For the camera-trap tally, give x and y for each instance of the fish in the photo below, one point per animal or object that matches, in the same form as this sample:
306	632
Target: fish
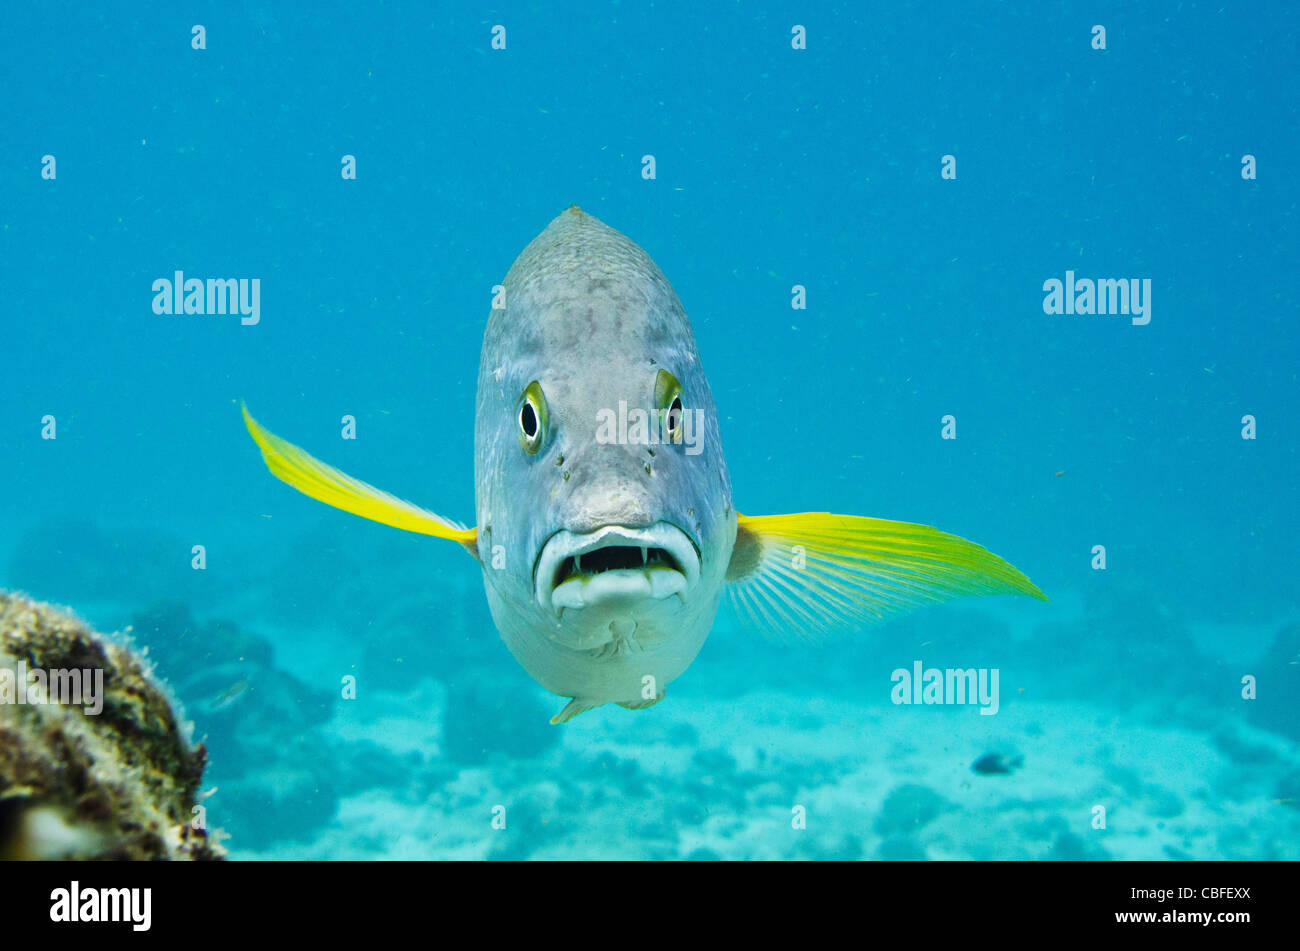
232	693
605	528
997	764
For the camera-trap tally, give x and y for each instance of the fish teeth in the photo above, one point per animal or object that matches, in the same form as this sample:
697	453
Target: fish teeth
662	546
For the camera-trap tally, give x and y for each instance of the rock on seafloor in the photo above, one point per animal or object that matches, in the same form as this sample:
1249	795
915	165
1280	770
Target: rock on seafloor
118	782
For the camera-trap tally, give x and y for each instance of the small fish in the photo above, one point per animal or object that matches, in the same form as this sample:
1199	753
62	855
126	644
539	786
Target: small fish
996	764
230	694
606	531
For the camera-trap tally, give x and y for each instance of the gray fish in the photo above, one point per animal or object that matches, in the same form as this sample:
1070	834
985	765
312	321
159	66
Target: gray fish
606	530
997	764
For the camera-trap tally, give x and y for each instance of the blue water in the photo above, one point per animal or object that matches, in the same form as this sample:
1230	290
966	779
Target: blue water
774	167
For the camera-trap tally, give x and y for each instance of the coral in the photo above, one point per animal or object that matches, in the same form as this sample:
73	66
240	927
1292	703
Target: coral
481	719
246	710
277	769
1278	672
908	808
446	627
119	783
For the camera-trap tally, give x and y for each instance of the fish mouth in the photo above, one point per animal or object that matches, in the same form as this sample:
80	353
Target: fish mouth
615	563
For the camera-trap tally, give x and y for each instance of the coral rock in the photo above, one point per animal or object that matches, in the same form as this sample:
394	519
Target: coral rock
117	783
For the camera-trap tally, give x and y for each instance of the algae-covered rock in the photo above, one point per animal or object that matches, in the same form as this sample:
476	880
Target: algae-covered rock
106	774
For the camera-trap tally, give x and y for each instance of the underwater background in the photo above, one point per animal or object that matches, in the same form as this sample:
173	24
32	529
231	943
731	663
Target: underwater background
774	167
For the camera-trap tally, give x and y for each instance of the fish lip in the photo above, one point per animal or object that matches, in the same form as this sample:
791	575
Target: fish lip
565	544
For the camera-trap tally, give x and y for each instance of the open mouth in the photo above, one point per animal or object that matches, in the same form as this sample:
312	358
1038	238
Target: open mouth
614	558
615	563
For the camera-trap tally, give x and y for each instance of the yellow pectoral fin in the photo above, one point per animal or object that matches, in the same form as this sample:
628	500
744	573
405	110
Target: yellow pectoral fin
326	484
815	571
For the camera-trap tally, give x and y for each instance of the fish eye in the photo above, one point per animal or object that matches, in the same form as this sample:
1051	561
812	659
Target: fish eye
668	399
528	421
532	418
675	417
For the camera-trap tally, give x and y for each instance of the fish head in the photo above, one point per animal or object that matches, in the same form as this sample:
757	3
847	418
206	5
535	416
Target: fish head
603	500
